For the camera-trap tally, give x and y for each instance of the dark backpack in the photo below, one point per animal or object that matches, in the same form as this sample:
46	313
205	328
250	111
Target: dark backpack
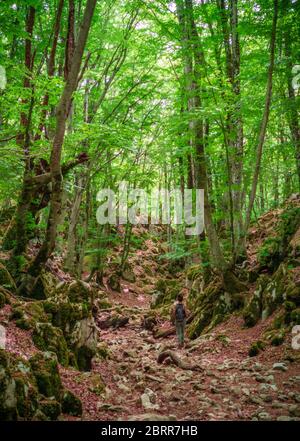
179	312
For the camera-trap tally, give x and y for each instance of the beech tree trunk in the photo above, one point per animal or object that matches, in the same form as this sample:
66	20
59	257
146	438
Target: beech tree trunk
264	123
293	111
234	123
55	163
23	138
194	59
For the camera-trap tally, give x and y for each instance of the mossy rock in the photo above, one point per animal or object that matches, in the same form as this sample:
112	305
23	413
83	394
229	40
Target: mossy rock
256	347
68	314
157	299
27	396
39	288
289	223
103	350
50	307
84	356
203	318
40	416
277	339
275	249
295	317
50	408
275	334
113	282
28	314
224	339
104	304
17	313
18	391
195	290
6	280
49	338
237	301
272	298
289	308
253	310
8	399
24	324
97	385
71	404
44	367
232	284
79	292
2	300
269	255
293	294
83	342
211	294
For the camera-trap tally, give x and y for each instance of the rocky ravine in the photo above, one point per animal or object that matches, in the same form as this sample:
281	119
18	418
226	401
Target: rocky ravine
230	386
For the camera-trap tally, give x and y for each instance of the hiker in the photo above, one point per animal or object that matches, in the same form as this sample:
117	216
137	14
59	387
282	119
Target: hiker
178	317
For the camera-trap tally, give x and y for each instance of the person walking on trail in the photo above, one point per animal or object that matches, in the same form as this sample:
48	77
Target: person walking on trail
178	317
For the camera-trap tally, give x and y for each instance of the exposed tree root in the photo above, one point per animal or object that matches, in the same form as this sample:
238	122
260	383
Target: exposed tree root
113	322
180	363
162	332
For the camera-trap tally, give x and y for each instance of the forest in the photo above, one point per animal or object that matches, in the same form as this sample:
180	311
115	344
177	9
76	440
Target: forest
149	210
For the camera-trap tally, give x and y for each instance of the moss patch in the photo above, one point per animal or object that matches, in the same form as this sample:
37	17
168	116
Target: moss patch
45	369
49	338
71	404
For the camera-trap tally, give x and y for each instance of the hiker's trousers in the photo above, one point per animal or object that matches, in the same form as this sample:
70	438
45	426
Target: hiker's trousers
180	326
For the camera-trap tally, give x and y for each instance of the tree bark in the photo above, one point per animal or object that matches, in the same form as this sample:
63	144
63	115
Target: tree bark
50	68
23	137
55	164
292	112
192	49
264	122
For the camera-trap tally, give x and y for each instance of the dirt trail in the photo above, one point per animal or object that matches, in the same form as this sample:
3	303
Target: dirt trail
130	384
231	385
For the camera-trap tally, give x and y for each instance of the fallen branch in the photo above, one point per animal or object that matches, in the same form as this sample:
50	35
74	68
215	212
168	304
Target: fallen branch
163	332
180	363
113	322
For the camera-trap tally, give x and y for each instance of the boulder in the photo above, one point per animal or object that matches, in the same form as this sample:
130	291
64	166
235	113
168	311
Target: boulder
83	341
253	309
71	404
79	292
49	338
113	282
18	392
28	314
148	400
44	366
6	279
50	408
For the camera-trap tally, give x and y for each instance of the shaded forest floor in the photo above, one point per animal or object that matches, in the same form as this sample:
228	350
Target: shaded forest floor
130	384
